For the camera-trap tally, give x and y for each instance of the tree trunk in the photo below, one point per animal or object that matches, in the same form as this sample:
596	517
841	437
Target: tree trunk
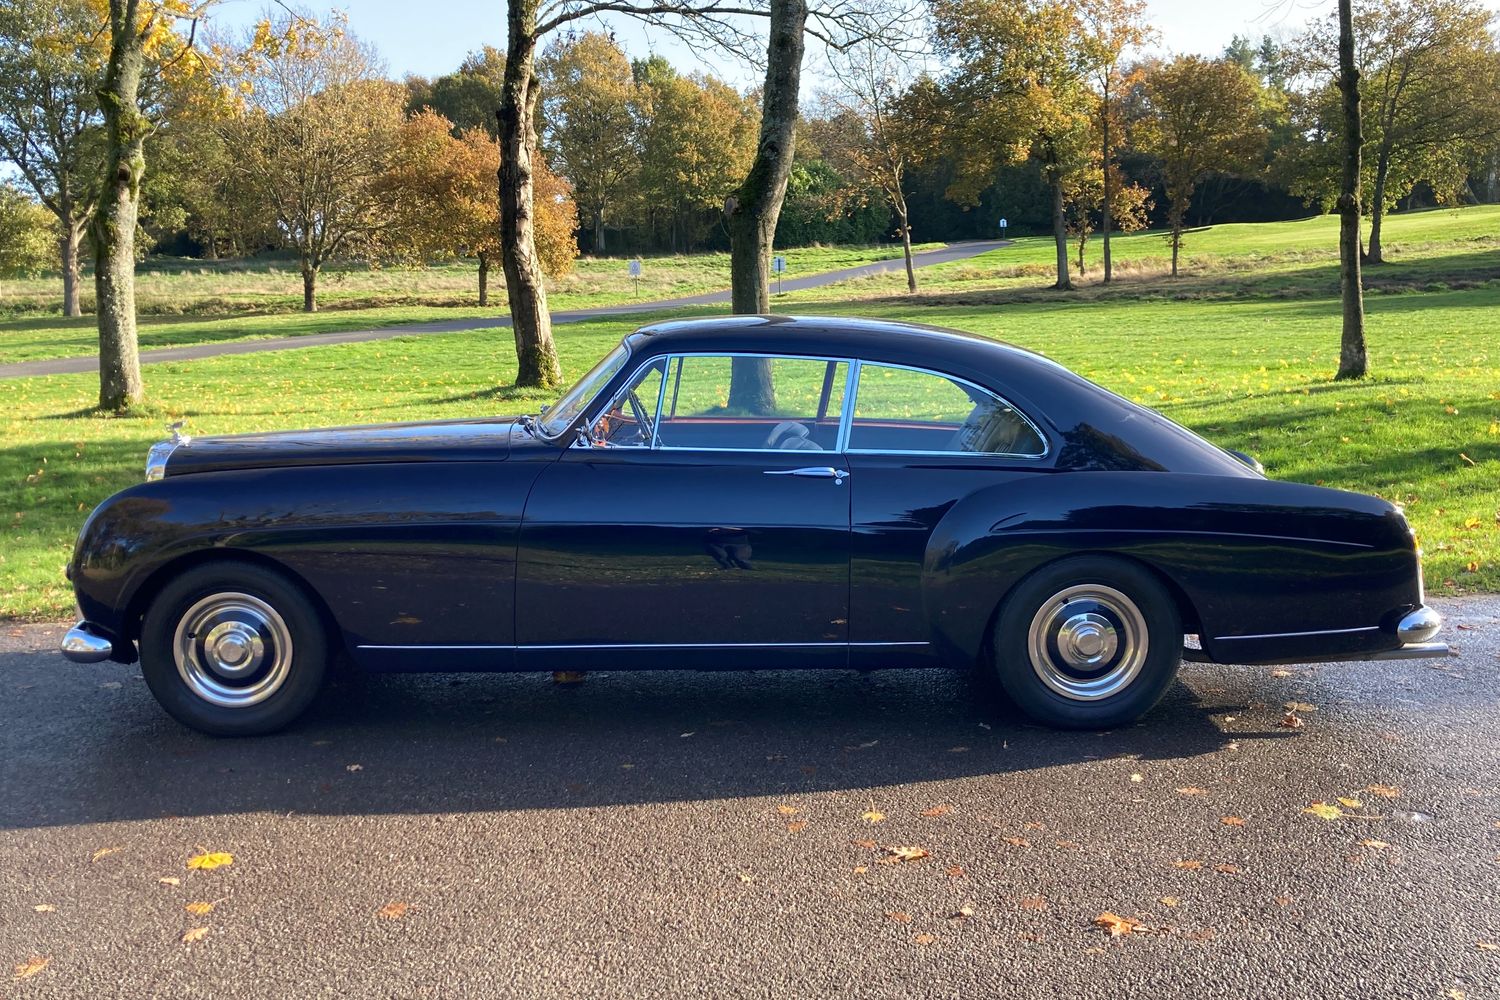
1373	252
484	279
1083	241
536	354
599	232
72	234
911	273
309	288
114	221
1060	236
1353	362
754	210
1106	214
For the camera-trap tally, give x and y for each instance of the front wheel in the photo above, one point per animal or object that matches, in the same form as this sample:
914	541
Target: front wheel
1087	643
233	649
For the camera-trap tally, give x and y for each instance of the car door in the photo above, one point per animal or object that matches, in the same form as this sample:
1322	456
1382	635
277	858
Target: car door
687	532
918	442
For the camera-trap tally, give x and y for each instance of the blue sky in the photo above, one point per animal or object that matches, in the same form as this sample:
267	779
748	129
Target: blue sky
431	38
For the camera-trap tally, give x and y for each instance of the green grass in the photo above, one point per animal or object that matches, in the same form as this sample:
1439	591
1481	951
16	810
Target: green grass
1243	357
199	302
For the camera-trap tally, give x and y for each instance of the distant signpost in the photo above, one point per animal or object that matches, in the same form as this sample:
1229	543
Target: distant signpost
778	265
1003	224
635	273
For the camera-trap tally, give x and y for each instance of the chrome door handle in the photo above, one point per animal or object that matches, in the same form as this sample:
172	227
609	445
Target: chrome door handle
813	472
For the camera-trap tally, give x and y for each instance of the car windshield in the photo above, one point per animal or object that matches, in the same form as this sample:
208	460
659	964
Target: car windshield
567	409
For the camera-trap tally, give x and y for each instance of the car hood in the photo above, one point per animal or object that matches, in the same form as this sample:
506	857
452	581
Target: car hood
483	440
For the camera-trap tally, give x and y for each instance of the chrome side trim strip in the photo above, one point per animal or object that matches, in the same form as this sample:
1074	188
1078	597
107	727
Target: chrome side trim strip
658	645
1299	635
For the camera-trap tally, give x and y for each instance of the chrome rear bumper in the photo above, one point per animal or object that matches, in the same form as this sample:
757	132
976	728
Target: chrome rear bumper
1411	651
83	645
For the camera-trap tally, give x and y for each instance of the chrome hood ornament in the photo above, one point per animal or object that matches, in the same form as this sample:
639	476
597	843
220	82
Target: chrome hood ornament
175	429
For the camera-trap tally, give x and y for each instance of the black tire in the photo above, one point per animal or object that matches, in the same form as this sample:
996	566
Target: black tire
1089	642
256	613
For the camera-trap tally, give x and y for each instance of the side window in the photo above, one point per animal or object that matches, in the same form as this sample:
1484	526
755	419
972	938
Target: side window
630	418
898	409
789	404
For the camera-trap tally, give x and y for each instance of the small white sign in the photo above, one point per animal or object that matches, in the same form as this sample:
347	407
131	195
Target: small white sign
635	269
1003	223
778	263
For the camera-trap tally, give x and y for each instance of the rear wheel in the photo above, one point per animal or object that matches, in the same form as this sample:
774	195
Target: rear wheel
233	649
1086	643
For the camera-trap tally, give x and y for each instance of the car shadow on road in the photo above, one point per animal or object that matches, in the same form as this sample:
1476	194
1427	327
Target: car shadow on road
469	743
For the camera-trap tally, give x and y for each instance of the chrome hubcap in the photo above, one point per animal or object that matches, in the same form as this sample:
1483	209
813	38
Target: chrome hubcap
232	650
1087	642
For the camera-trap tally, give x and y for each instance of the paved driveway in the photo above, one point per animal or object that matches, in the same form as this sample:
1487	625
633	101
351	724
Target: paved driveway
692	835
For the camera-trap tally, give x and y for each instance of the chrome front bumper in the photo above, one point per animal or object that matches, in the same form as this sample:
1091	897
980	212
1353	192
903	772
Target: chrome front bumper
83	645
1414	630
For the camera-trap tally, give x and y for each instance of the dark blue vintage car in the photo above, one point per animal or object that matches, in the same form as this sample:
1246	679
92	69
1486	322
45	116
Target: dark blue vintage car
869	495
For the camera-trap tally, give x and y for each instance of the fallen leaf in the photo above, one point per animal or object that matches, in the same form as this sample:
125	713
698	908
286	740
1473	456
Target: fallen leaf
872	816
45	908
1069	845
1283	901
1017	841
392	911
1300	706
1378	845
683	736
194	934
30	967
746	877
1170	901
1034	902
861	869
354	767
1233	821
1291	721
1323	810
925	939
937	811
105	852
1281	673
868	845
787	810
1117	926
1384	791
1137	778
170	880
962	913
796	826
1228	869
1190	866
1206	934
898	917
208	862
1192	791
1349	803
1486	946
899	855
955	871
199	909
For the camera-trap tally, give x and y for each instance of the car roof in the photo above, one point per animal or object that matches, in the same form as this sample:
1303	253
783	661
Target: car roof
839	336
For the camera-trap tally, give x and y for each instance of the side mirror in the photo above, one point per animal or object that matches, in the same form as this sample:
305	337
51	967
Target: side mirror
1249	460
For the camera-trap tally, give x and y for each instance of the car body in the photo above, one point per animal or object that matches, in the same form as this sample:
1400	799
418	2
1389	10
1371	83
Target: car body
865	517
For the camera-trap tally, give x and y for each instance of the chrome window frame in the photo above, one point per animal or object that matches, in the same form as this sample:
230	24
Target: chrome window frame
853	400
844	410
587	426
582	419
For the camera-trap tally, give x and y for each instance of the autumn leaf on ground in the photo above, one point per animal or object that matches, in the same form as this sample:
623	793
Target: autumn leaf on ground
1384	791
872	816
861	869
1300	706
200	909
30	967
901	855
955	871
392	911
1349	803
1378	845
937	811
1187	865
1486	946
1117	925
170	880
787	810
1281	673
1170	901
351	768
1291	720
1034	902
194	934
1017	841
1233	820
1228	869
925	938
1323	810
746	877
796	826
45	908
1192	791
1137	778
898	916
105	852
209	861
962	913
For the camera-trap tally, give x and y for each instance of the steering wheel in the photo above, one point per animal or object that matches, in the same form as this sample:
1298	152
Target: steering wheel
647	430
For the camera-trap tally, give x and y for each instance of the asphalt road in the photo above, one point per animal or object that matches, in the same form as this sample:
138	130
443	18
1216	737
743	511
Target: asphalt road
90	363
633	836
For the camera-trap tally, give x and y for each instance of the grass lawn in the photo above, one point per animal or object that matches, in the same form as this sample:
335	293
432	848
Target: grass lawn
199	302
1425	430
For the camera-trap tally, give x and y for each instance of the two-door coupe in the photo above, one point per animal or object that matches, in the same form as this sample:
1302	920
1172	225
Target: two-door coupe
752	492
